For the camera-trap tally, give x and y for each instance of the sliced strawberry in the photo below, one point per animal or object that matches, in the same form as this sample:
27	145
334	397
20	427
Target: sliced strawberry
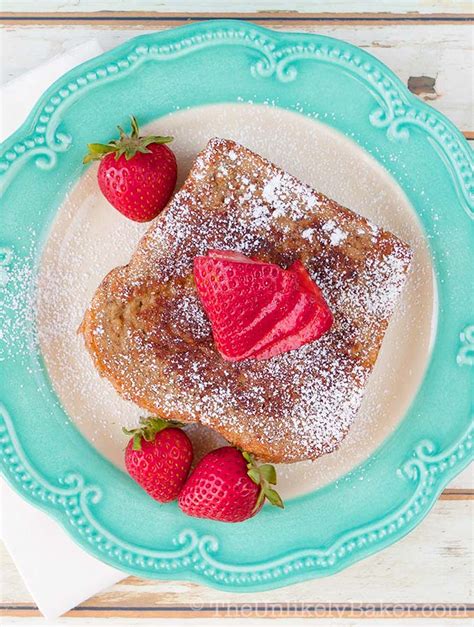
311	329
306	325
241	289
242	300
318	325
231	255
250	333
297	316
306	281
273	322
258	309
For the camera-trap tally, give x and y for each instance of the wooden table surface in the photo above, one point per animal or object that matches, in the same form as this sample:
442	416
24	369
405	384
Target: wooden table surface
428	575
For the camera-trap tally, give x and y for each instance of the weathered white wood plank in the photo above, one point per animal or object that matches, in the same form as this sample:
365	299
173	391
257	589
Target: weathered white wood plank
442	543
440	52
465	479
433	564
243	6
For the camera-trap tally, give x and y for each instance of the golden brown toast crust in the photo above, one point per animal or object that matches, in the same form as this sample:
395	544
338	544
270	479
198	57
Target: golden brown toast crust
147	333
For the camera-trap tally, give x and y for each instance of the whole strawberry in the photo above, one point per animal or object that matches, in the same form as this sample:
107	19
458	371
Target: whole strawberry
227	485
136	174
158	457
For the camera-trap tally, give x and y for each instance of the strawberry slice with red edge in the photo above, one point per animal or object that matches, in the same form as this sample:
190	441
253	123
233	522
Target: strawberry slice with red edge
232	255
242	301
257	309
318	323
295	316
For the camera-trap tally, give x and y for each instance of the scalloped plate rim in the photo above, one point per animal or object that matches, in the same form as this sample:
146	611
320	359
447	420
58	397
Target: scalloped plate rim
113	52
191	577
452	471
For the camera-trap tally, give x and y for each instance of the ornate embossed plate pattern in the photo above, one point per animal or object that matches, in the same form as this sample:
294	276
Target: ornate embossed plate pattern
51	464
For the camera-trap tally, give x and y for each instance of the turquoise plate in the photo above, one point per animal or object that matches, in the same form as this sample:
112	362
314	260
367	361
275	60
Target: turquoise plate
46	459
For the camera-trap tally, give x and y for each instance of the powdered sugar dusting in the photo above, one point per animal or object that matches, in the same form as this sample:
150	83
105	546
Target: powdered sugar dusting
17	314
82	255
278	193
336	234
307	234
294	406
189	315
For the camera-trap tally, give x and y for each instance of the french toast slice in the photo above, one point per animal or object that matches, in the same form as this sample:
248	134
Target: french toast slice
149	336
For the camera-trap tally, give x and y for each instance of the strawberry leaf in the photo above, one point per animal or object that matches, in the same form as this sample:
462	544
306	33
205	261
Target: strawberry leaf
100	148
273	496
260	499
157	139
268	472
148	429
134	125
143	149
128	145
263	476
137	442
97	151
254	475
247	457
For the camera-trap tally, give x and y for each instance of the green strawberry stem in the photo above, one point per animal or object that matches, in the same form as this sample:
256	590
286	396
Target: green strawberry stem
127	145
149	428
264	476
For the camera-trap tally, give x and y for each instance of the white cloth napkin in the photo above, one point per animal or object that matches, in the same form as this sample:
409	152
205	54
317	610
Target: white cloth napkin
56	571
